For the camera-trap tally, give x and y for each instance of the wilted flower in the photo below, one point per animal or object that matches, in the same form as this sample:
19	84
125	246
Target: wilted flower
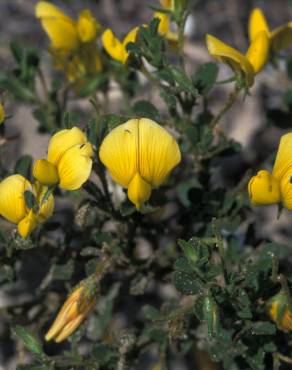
272	188
279	311
74	311
280	37
68	162
116	48
249	64
139	155
73	43
13	205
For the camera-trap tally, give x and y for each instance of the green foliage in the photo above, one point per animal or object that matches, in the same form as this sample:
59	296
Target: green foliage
189	271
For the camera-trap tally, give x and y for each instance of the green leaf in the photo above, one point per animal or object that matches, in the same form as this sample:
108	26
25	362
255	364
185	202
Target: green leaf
151	313
205	77
182	264
186	283
185	187
127	209
31	342
143	108
103	354
263	328
29	198
16	88
169	98
189	250
63	272
16	51
23	166
183	81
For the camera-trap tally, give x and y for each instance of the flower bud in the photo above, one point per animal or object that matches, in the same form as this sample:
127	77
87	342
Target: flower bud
74	311
279	311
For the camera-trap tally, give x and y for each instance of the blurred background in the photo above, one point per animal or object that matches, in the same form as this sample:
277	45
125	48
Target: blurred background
247	122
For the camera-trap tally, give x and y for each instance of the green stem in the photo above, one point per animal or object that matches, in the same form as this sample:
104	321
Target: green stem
181	39
44	84
230	101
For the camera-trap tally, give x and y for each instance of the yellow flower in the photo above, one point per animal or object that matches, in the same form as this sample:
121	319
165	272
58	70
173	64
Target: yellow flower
116	48
73	44
164	24
279	311
2	113
68	162
272	188
139	155
87	26
13	206
280	37
73	312
249	64
60	28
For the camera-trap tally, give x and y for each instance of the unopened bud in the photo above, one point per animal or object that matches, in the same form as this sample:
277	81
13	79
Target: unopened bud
279	311
74	311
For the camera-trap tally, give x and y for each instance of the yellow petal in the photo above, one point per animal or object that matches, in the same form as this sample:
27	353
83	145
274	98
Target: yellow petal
167	4
74	168
69	328
67	313
27	224
45	172
164	27
230	56
286	323
286	189
158	152
257	23
113	46
281	37
139	191
118	152
258	52
130	37
2	113
60	28
264	189
72	313
87	26
62	141
72	325
284	156
12	203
